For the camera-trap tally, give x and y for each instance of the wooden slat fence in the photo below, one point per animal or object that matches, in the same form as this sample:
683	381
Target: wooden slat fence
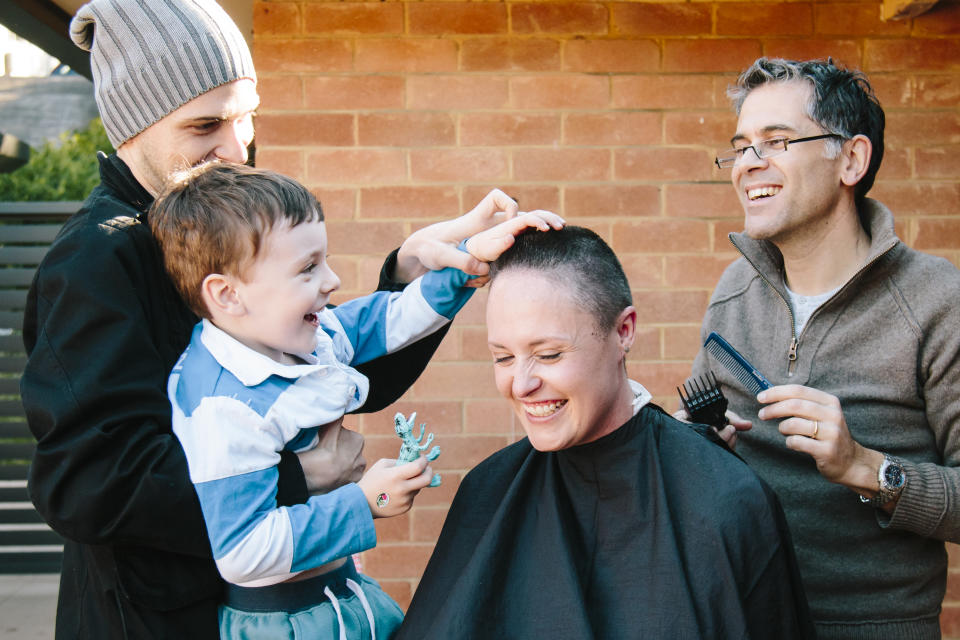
27	545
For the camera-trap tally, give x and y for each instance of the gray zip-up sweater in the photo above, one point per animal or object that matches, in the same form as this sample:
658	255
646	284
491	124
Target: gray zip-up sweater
887	344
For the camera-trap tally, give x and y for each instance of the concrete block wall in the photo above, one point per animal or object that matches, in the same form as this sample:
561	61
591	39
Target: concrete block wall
398	114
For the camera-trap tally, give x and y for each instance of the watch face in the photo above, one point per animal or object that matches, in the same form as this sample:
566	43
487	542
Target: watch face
893	476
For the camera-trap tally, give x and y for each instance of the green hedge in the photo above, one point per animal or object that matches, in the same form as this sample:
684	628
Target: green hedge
67	170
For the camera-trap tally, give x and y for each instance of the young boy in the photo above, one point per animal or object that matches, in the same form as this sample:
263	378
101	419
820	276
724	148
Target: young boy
269	368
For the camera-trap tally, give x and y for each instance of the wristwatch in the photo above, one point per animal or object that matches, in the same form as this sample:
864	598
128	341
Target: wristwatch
891	479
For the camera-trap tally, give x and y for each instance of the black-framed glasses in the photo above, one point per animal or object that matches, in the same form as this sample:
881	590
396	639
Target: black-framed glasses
765	149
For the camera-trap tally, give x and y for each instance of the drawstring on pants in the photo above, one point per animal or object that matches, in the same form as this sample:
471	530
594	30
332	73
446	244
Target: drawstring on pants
357	591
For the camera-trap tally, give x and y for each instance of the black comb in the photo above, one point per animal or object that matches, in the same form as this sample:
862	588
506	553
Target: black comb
741	369
704	401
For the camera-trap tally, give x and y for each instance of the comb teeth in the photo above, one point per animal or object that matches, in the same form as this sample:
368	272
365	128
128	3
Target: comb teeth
741	369
704	401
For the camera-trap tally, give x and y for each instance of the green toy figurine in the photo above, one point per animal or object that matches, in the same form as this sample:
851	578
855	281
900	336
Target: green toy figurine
411	448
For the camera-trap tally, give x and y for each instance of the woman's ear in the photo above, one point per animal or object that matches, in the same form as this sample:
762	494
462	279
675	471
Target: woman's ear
626	327
221	295
855	154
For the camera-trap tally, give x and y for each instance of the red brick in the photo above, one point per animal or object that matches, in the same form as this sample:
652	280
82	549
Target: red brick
474	344
395	529
397	560
339	205
459	165
843	52
286	161
923	127
893	90
474	312
670	19
702	200
660	378
561	164
457	92
576	18
302	55
400	590
933	233
440	18
611	56
681	343
356	166
354	92
276	18
406	129
938	162
896	165
444	380
721	236
694	270
654	235
409	202
612	128
346	269
609	200
855	19
491	417
710	128
943	19
643	270
421	55
709	55
303	129
506	54
950	621
937	91
919	198
280	93
427	523
766	18
364	237
646	345
662	92
353	18
529	197
560	92
509	129
465	452
911	54
662	164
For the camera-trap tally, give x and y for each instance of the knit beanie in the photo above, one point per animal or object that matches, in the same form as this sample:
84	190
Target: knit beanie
149	57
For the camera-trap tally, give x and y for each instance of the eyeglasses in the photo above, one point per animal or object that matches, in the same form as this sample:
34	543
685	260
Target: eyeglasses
765	149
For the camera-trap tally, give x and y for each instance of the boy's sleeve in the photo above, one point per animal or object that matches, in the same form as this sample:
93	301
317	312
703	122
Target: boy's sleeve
381	323
232	455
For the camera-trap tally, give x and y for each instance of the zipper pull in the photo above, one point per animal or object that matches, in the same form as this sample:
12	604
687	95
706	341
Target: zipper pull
792	356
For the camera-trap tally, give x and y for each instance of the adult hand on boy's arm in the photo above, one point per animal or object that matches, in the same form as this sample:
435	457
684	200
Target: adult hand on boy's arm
335	461
435	247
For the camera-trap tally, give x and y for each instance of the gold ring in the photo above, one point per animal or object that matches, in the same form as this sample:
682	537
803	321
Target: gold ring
816	429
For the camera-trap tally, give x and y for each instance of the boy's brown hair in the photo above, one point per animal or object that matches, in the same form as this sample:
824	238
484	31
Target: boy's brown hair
213	218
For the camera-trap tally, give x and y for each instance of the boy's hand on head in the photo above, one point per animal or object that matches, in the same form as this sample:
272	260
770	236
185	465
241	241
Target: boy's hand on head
435	247
390	488
488	245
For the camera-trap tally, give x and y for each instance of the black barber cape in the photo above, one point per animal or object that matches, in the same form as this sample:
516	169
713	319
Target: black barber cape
649	532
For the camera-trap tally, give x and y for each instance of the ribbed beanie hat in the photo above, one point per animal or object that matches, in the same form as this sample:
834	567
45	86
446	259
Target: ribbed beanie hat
149	57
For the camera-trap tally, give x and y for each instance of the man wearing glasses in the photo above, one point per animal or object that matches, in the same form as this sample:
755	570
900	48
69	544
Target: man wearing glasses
860	336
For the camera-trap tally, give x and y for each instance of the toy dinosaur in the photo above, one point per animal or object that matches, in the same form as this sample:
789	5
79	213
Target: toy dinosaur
411	448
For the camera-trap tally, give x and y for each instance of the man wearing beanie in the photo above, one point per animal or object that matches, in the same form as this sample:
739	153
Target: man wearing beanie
103	327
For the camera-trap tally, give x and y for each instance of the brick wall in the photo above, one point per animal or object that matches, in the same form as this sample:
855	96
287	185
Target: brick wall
399	114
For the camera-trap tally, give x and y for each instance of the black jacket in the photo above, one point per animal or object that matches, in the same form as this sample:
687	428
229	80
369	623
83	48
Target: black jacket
103	328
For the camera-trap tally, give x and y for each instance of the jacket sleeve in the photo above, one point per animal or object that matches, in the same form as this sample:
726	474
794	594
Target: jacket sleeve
232	453
107	468
391	375
929	503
